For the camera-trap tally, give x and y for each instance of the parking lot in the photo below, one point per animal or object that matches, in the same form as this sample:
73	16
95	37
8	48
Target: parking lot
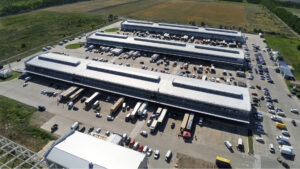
207	141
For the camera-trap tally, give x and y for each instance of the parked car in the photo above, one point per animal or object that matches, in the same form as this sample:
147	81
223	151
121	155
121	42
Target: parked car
271	148
98	130
172	125
54	128
228	145
144	133
110	118
259	139
41	108
149	152
295	111
140	149
107	133
156	154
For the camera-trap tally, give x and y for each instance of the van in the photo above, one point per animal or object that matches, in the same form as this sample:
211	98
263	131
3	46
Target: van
168	155
287	150
124	107
240	144
75	126
70	105
228	145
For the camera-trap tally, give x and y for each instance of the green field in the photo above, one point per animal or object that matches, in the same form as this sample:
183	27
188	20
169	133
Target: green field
288	49
112	30
14	75
15	125
22	32
295	11
75	45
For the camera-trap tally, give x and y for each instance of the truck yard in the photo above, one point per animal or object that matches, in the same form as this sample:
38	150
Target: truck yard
99	109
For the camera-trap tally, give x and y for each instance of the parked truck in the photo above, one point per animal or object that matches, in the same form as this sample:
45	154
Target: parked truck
162	116
67	93
116	106
153	126
91	99
142	108
135	109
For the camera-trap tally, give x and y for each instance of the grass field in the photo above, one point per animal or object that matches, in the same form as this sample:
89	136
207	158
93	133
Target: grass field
112	30
25	31
288	49
295	11
250	144
14	75
74	45
14	118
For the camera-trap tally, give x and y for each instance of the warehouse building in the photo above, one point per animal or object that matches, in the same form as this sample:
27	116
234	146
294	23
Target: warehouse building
201	32
203	52
79	150
214	99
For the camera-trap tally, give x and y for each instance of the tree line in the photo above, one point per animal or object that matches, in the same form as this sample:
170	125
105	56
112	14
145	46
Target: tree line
28	5
286	16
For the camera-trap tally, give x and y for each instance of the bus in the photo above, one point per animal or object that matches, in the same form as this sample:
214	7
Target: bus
222	162
184	121
190	122
116	106
76	94
65	94
90	100
135	109
162	116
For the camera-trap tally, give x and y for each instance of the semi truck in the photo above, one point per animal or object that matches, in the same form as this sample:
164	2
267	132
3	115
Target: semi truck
190	122
67	93
184	121
162	116
135	109
91	99
76	94
116	106
287	150
142	108
153	126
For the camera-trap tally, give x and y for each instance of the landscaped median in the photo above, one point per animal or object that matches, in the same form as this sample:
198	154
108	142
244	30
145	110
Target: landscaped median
15	125
111	30
75	45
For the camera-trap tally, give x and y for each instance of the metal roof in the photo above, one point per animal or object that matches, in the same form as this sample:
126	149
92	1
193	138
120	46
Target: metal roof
213	53
79	150
184	28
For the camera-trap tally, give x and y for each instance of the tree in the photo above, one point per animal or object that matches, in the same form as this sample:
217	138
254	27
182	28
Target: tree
202	23
23	45
110	17
192	23
298	47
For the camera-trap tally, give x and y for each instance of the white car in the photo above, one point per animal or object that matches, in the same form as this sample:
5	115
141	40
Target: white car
276	118
156	154
272	111
295	111
98	115
144	133
149	152
98	130
107	133
259	139
271	148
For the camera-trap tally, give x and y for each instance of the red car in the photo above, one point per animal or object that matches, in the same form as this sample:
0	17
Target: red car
259	87
254	94
140	149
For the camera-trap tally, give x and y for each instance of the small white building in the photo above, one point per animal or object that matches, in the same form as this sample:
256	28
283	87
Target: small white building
79	150
5	73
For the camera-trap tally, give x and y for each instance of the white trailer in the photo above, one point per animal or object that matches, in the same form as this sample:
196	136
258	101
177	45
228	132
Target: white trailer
90	100
153	126
162	116
142	108
135	109
287	150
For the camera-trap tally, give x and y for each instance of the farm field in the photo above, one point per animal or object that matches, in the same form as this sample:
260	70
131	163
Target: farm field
243	16
288	48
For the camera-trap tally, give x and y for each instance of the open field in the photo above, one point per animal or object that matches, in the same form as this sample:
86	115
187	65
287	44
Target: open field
15	117
294	11
21	32
243	16
14	75
288	49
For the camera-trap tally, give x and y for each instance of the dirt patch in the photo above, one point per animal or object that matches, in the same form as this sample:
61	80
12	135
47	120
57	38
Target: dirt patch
186	161
39	118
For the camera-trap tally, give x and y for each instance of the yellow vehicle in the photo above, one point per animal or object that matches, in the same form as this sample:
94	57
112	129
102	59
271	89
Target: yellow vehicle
280	125
222	162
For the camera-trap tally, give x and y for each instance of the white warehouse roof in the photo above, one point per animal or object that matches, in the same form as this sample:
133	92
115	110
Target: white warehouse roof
197	51
198	91
78	150
184	28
